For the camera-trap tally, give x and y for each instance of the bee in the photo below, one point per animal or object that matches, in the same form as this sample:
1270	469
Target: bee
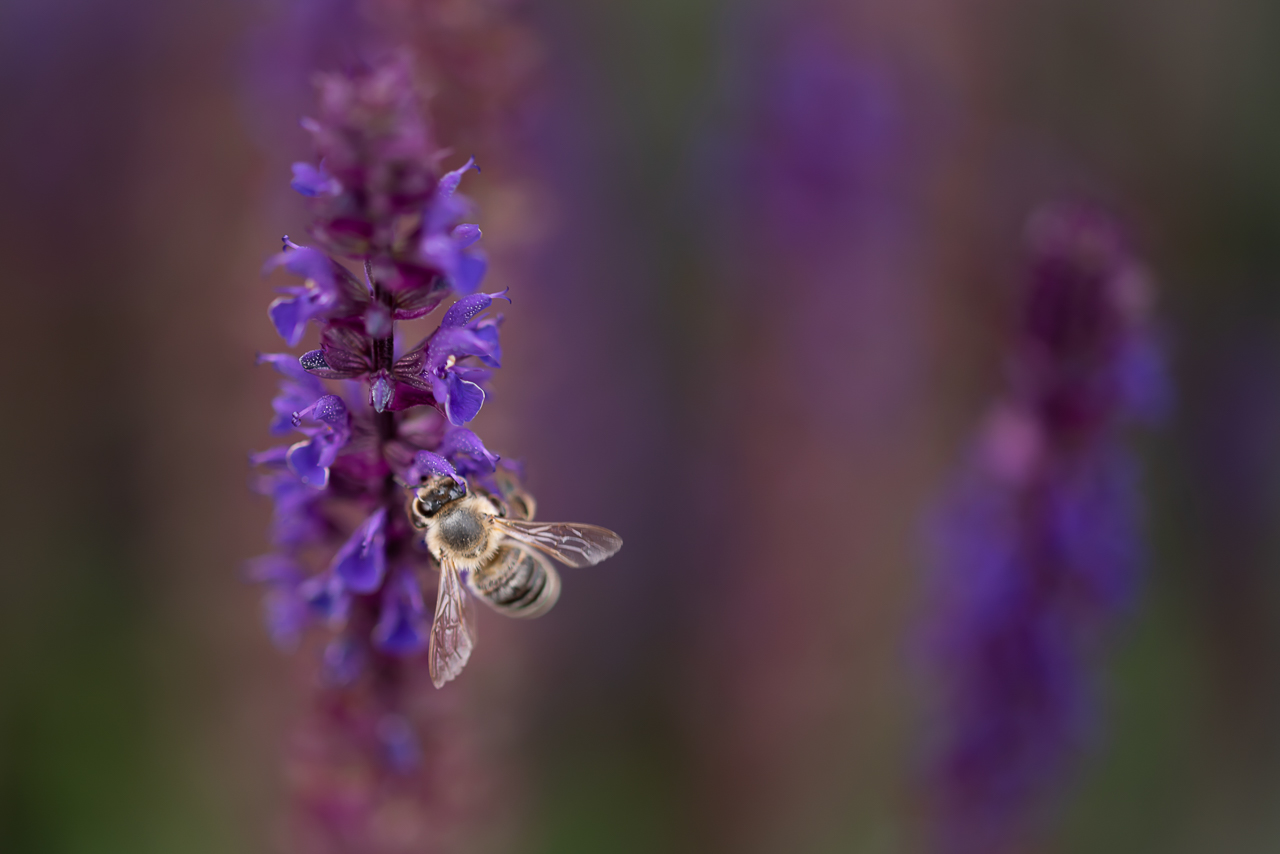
493	541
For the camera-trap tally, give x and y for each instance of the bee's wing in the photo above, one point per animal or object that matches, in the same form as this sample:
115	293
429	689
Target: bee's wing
568	542
453	631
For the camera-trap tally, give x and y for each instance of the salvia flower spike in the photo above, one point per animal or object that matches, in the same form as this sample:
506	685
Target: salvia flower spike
359	421
1038	547
389	244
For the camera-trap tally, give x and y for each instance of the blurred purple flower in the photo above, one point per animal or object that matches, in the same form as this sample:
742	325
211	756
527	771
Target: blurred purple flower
403	624
328	290
298	390
451	248
361	562
1038	548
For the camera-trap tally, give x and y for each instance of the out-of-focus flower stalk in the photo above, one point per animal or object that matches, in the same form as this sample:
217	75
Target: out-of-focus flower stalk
1038	546
822	265
375	768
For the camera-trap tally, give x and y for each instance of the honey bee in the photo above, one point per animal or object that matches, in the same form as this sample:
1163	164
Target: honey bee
493	541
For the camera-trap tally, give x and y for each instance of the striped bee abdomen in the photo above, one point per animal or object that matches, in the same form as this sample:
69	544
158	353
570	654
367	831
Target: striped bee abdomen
518	582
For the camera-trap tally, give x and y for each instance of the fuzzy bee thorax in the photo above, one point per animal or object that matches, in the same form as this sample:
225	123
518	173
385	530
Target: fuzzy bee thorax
463	530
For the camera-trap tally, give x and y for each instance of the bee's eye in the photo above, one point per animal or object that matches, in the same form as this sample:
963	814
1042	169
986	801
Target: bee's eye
429	504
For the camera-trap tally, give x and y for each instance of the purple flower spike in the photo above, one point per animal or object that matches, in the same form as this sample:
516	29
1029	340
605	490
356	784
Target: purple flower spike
372	422
1039	548
402	624
389	244
361	562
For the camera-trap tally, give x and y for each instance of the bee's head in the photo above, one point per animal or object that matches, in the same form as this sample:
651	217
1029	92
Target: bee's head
436	493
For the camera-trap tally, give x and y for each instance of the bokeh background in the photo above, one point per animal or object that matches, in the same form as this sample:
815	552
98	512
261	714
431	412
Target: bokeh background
761	256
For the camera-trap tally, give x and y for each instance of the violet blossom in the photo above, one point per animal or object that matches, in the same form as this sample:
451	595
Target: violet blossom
1038	547
364	421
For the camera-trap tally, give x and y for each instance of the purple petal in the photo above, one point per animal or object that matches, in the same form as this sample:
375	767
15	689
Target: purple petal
330	282
305	461
456	342
427	465
312	182
361	562
289	315
328	409
306	263
402	625
294	520
440	251
298	391
286	616
486	329
465	443
444	208
287	365
466	234
449	181
473	374
463	400
462	311
310	459
326	598
468	272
